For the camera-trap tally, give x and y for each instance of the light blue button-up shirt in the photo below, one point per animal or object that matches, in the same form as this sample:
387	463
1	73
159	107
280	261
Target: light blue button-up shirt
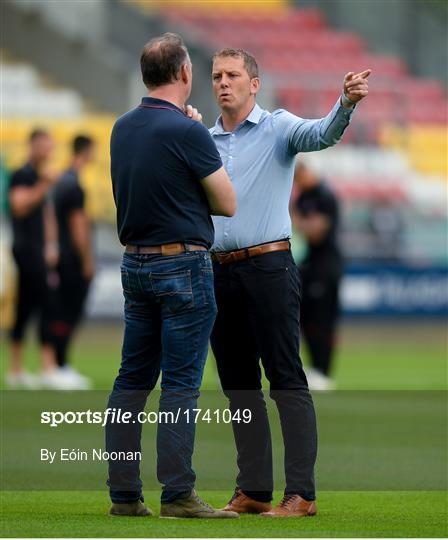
259	156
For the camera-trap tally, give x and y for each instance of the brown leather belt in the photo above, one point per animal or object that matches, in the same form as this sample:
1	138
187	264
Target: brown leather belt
166	249
226	257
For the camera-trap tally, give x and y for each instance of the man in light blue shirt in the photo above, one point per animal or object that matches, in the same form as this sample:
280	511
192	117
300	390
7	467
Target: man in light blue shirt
257	285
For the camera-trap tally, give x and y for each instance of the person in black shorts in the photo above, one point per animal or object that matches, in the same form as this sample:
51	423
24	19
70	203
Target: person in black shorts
76	261
33	234
316	216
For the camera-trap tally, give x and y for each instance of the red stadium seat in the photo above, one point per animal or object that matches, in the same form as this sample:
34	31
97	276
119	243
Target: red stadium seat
308	60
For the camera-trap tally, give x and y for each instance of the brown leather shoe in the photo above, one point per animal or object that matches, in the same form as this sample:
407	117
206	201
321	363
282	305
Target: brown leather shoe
292	506
242	504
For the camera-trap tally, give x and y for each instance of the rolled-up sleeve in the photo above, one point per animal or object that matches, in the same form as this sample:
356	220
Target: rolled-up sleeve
303	135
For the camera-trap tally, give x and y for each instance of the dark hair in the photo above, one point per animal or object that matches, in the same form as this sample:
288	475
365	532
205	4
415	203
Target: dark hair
81	143
250	64
37	133
161	60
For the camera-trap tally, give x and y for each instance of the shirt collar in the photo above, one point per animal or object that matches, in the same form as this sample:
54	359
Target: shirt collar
156	102
255	114
253	117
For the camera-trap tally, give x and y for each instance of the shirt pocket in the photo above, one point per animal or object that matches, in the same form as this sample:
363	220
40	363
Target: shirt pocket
173	290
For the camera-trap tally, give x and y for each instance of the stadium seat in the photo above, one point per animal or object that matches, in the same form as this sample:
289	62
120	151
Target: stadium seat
424	145
305	56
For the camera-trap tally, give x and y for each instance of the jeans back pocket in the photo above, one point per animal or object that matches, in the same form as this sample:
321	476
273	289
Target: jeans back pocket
173	290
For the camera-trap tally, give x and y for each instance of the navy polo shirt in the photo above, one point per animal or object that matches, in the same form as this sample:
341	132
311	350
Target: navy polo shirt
158	156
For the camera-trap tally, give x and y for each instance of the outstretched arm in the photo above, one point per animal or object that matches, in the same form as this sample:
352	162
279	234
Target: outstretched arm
312	135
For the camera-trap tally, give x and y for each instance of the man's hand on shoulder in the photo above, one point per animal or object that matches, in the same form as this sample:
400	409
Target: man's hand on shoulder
355	87
193	113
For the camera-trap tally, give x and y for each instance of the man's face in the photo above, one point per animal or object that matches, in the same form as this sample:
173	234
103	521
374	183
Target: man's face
89	154
232	86
304	178
298	175
41	148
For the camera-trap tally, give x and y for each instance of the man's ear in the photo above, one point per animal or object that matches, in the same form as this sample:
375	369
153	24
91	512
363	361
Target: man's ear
254	85
185	73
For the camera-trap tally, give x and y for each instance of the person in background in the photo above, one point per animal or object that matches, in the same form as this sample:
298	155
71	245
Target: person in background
76	260
315	214
34	251
387	226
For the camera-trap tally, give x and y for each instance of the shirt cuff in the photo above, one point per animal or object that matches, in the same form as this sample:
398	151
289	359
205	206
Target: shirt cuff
344	109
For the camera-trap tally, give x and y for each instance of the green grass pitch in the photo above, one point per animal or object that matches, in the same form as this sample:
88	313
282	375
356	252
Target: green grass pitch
371	357
340	514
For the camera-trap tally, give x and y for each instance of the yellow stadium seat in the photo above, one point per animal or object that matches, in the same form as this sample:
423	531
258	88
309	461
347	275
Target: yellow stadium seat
211	6
426	147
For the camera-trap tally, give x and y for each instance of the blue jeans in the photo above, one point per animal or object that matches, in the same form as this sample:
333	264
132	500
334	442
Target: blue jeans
169	311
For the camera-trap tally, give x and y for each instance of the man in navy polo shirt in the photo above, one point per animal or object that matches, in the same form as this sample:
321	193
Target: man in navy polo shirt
167	179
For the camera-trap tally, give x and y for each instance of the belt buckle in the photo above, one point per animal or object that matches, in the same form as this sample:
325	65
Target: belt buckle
171	249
